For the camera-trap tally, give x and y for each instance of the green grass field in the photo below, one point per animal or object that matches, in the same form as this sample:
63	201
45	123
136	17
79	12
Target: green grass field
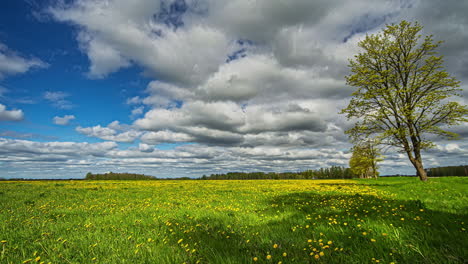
393	220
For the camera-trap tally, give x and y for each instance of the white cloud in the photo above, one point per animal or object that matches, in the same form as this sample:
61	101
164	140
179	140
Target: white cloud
22	150
115	33
65	120
145	147
110	132
137	111
58	99
134	100
11	63
10	115
165	137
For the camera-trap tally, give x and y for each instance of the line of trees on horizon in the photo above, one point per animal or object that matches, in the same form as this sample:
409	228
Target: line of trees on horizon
461	170
118	176
334	172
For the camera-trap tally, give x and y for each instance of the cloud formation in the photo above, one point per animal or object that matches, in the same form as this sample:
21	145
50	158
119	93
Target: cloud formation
58	99
256	82
111	132
11	63
10	115
63	121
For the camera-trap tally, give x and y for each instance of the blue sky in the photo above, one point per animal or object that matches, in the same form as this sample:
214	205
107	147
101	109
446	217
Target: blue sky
185	88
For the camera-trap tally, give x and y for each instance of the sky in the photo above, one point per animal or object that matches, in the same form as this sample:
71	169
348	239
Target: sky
183	88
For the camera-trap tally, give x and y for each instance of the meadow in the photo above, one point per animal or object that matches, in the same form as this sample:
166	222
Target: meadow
391	220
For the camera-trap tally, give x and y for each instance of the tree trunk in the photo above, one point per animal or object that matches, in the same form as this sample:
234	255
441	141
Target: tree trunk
417	160
420	170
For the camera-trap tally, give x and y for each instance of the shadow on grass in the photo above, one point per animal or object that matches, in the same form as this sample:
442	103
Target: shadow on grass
361	228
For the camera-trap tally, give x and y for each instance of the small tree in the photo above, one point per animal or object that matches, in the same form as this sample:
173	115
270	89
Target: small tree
364	160
403	92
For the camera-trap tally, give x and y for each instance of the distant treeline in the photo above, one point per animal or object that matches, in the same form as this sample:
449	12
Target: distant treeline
461	170
118	176
334	172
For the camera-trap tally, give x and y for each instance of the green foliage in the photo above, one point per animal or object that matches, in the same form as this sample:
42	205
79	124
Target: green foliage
118	176
334	172
364	160
448	171
403	91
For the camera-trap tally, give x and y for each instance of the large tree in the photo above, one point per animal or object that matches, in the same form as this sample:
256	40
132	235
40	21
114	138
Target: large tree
403	92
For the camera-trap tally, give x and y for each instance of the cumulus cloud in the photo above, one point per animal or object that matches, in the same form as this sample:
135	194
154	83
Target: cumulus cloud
63	121
11	63
10	115
15	150
136	35
137	111
165	137
134	100
110	132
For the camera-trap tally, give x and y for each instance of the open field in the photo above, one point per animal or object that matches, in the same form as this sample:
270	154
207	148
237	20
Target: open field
399	220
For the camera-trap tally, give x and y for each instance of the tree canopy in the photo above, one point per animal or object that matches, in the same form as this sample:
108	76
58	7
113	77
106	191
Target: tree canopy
363	162
403	92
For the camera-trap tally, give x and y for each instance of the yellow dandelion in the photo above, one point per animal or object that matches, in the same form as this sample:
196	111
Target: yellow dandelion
402	219
309	241
275	246
316	256
372	240
284	254
255	259
329	242
268	257
180	241
364	233
321	254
